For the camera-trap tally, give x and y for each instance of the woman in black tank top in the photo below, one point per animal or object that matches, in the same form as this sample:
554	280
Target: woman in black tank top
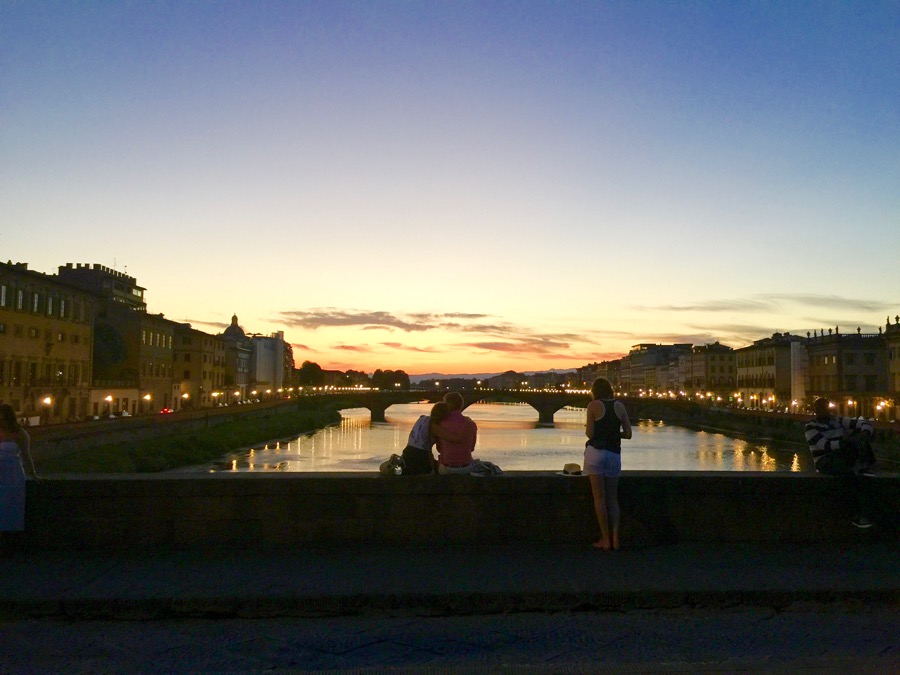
606	425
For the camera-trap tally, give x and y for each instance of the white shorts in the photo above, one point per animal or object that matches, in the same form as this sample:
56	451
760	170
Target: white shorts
602	462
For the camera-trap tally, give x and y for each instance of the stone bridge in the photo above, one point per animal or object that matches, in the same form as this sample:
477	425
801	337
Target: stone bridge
545	402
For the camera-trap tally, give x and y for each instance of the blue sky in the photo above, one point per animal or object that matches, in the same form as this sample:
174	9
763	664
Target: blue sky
463	186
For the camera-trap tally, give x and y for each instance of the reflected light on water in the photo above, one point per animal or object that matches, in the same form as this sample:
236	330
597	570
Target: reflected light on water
509	435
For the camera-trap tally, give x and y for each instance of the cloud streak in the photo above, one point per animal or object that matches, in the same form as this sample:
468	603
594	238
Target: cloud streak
769	302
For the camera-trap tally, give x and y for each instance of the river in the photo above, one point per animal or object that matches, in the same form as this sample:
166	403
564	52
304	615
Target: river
509	436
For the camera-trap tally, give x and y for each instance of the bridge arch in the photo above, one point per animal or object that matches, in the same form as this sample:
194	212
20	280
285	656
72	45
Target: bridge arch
545	403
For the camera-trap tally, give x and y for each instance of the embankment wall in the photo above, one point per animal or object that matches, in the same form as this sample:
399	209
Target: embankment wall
294	510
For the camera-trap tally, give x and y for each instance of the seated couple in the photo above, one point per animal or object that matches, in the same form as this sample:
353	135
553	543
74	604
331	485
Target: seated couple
454	433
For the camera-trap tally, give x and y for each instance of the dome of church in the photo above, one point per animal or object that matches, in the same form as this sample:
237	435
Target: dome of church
234	331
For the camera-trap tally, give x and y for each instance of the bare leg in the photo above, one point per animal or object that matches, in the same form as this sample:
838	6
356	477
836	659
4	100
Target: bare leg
598	491
611	486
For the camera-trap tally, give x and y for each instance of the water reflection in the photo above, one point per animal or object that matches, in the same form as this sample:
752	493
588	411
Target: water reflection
509	436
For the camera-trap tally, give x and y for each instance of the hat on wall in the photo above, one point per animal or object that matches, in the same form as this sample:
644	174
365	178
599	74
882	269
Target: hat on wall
572	469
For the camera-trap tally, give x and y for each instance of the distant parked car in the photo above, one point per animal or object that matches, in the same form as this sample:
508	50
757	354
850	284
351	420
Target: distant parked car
166	411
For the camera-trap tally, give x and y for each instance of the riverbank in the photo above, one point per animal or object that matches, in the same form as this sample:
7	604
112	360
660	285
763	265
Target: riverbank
150	452
780	428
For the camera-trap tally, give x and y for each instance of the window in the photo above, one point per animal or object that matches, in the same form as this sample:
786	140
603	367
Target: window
143	337
49	306
2	327
20	299
32	332
62	308
187	374
35	302
2	295
60	337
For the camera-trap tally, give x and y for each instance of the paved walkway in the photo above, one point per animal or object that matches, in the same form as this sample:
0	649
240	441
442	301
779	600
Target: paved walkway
531	608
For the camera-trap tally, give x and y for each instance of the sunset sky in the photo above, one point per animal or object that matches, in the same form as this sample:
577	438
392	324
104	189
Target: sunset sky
463	187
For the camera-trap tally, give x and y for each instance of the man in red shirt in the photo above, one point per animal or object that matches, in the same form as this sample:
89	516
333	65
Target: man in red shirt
455	452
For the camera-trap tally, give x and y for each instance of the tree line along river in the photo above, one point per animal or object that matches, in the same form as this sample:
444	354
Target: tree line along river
510	437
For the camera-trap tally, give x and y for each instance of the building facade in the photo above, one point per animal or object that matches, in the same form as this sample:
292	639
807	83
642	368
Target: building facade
238	353
199	368
851	369
764	372
711	372
267	364
133	350
890	408
46	343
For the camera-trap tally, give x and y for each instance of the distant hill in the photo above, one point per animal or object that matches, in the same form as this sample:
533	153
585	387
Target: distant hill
415	379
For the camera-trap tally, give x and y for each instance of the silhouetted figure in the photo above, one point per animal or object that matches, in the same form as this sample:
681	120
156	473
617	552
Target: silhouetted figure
455	451
841	447
14	443
606	425
417	456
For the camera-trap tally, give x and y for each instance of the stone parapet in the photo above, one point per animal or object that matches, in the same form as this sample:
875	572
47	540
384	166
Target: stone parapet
292	510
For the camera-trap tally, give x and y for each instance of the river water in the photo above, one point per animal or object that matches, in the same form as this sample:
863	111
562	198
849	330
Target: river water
509	436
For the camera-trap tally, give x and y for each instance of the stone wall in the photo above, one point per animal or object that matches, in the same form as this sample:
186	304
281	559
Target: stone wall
291	510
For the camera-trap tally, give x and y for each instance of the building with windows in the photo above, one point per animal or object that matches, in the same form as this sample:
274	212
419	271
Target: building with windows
848	368
650	368
114	286
133	350
764	372
46	342
199	368
238	352
710	371
890	408
267	363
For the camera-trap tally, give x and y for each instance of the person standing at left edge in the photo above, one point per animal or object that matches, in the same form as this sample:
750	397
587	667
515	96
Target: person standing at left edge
14	443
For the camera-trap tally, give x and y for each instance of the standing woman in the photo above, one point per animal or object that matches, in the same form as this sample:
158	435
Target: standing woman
14	442
606	425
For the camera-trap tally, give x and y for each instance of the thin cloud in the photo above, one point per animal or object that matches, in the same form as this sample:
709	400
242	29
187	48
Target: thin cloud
407	348
430	317
745	305
770	301
353	348
199	322
320	318
832	302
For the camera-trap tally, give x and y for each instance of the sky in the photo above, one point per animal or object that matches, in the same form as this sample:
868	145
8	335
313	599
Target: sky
463	187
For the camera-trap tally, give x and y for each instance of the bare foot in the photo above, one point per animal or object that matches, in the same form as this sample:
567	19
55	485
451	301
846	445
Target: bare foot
602	545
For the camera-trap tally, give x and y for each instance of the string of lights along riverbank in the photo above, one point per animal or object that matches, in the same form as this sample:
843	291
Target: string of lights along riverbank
509	435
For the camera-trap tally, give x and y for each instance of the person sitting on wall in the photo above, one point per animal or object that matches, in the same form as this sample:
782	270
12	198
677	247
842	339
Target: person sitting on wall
455	451
417	457
841	447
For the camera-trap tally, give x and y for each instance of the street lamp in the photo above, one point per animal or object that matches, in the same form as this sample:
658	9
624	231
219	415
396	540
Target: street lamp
109	400
148	398
184	400
47	401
